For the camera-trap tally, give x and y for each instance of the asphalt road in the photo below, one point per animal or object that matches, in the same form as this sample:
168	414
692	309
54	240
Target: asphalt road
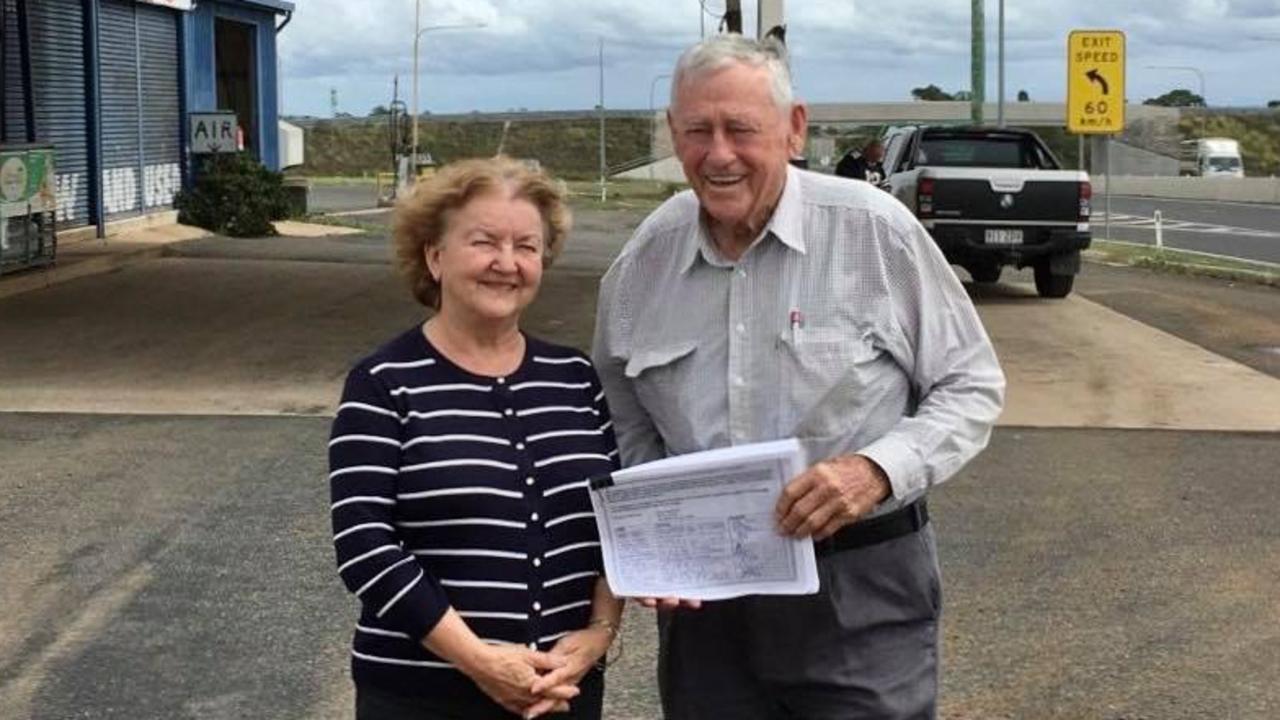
1242	230
1249	231
178	564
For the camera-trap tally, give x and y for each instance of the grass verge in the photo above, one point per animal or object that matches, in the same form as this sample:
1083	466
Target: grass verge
1184	262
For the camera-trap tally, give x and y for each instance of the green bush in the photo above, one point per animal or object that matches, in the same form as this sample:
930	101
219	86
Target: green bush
234	195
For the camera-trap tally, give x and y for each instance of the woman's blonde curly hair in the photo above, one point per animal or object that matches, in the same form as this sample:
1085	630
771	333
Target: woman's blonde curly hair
422	217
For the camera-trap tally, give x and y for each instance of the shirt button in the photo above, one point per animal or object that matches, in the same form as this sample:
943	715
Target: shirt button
519	446
528	481
502	381
738	381
537	562
533	646
742	273
534	517
741	328
508	412
537	606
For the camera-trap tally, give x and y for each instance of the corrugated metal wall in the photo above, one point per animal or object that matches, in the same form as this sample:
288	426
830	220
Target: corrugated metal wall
58	77
14	118
141	152
159	52
122	158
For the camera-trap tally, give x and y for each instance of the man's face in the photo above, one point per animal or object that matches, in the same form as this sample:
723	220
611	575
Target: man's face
875	153
734	143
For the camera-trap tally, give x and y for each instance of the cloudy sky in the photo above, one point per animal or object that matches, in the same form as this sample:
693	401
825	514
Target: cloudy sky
542	54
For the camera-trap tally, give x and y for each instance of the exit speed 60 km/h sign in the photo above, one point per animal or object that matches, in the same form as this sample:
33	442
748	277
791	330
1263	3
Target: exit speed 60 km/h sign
1095	82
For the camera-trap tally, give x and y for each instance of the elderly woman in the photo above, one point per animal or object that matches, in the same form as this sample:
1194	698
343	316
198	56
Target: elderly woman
459	462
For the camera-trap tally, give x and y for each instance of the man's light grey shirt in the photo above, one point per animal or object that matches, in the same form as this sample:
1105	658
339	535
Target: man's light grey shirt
843	326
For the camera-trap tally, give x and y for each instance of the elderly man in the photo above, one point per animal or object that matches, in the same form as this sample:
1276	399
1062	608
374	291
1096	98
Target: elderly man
772	302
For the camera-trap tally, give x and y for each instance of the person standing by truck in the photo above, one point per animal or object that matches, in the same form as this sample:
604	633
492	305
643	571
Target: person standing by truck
867	165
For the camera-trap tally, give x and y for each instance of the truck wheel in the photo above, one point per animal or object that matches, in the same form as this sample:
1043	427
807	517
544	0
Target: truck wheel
984	273
1050	285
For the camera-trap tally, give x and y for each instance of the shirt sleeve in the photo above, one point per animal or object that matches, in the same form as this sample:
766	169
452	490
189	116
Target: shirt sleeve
637	436
953	367
364	461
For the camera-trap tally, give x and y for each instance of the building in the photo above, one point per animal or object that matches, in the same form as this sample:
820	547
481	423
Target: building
111	84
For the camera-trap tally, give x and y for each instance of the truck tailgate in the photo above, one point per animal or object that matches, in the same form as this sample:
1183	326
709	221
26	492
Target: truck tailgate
1005	196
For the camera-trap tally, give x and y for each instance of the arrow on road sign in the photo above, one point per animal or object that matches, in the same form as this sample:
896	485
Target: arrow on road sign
1095	76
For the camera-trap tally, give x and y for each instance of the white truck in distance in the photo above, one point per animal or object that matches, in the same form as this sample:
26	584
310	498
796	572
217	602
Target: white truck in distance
1210	157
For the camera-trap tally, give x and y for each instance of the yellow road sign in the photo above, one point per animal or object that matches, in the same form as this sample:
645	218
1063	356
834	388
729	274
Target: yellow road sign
1095	82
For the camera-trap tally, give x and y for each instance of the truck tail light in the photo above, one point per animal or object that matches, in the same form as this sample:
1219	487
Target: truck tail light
924	198
1086	197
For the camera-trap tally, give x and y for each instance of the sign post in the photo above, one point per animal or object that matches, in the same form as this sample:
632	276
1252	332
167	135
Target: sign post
1095	90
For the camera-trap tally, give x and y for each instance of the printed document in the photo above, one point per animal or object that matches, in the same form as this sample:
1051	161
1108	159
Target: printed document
701	526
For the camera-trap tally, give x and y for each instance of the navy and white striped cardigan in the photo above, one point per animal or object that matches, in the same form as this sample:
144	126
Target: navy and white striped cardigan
451	489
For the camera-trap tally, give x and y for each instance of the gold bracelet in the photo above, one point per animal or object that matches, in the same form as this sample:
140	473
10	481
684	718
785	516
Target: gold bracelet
605	623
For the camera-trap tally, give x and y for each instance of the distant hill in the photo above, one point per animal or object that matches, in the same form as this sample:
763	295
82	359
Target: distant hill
566	142
568	146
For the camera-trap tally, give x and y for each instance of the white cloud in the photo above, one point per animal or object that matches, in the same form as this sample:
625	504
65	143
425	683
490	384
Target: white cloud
542	53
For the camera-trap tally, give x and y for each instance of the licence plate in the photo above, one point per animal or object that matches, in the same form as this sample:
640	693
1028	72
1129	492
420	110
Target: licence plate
1004	237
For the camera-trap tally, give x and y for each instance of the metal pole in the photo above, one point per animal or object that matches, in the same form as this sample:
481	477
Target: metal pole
1159	231
653	122
417	35
977	62
603	166
702	19
770	15
733	16
1000	71
1080	152
1107	224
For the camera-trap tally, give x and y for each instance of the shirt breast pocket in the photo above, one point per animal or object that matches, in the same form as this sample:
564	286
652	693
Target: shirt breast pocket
662	377
827	374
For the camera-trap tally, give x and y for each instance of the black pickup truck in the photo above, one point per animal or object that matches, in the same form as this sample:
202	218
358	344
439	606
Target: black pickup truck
992	197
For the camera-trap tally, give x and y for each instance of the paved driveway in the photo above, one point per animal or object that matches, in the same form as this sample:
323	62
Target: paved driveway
162	493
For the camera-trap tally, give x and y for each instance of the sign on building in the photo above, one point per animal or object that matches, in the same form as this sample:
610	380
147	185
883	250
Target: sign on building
213	133
1095	82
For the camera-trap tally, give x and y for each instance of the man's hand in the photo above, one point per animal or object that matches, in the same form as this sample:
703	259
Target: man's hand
830	495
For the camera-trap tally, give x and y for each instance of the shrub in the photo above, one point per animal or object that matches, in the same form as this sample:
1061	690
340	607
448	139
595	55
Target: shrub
234	195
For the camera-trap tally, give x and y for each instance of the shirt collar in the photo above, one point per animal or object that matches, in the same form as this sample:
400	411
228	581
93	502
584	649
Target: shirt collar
786	224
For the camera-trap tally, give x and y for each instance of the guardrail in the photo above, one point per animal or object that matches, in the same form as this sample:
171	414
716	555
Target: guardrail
1247	190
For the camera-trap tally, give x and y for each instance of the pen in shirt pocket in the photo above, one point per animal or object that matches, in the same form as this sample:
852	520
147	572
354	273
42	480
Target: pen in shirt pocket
796	318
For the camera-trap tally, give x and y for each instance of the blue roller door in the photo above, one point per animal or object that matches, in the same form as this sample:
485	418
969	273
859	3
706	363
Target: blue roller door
159	52
58	80
14	106
141	152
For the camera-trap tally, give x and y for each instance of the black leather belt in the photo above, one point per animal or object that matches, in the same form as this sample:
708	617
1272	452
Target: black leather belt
902	521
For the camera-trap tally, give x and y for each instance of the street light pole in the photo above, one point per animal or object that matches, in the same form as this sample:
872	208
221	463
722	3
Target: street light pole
977	61
653	120
603	167
1200	77
418	32
1000	71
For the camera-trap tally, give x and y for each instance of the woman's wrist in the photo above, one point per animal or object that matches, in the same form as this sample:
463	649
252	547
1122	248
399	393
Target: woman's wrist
609	625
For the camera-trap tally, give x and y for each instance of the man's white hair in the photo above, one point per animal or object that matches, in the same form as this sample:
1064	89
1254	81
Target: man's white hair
721	51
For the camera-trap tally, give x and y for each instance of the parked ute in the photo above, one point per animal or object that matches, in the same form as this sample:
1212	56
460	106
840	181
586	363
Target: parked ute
992	197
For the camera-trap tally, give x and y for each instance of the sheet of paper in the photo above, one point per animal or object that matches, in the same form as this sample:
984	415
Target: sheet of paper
701	526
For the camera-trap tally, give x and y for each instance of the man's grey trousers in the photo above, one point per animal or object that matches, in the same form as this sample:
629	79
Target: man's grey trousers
865	647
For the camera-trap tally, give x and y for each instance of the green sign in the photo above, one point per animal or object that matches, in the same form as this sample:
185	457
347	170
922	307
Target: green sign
26	177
